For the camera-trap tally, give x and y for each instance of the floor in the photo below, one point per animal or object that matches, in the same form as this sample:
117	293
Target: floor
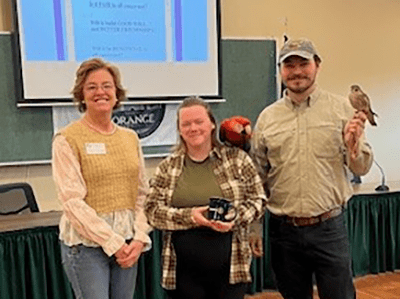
385	285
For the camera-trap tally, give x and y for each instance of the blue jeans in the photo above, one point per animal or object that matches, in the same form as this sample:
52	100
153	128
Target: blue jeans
299	252
95	275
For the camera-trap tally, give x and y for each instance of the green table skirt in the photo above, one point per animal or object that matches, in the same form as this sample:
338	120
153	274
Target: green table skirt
30	263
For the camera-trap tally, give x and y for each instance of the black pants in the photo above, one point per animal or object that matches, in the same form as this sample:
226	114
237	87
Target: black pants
203	265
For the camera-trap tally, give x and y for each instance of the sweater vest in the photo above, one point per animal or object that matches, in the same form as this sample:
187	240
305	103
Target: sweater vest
109	165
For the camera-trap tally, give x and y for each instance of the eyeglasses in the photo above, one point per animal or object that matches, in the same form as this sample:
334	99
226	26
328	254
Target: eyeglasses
92	88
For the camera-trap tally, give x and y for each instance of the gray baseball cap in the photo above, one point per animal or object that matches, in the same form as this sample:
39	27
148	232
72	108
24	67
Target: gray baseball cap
298	47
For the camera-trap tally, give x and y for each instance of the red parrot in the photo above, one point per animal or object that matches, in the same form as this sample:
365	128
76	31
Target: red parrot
236	131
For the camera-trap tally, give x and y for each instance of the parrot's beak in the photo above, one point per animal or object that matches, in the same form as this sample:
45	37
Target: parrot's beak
247	129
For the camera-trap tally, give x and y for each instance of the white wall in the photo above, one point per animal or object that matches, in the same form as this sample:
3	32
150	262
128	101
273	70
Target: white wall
359	41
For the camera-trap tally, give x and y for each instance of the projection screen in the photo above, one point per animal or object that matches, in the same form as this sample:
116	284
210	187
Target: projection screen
163	48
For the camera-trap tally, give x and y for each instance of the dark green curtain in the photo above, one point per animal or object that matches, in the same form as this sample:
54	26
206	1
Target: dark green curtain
30	262
373	224
149	272
30	265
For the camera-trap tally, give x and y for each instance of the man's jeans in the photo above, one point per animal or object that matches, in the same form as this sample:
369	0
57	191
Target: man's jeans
299	251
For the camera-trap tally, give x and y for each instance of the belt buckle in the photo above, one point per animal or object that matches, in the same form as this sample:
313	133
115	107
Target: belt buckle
299	221
294	222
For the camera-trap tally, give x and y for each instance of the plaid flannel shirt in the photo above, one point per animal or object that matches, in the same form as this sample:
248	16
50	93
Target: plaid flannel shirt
238	180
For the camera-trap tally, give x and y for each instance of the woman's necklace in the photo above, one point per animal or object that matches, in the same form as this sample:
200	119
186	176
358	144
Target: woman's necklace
95	128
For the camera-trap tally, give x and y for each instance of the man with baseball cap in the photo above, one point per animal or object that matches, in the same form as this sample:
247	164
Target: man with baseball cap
301	47
303	145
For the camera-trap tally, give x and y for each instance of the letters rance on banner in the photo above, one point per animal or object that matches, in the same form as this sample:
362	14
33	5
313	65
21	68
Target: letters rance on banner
144	119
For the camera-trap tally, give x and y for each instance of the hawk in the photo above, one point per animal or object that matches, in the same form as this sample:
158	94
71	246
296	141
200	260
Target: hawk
360	101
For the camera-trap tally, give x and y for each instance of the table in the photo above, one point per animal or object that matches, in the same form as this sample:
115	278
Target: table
30	260
373	224
30	263
29	220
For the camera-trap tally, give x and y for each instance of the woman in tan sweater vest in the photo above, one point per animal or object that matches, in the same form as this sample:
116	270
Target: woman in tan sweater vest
98	169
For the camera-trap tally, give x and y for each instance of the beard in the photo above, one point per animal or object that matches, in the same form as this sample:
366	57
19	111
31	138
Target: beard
301	86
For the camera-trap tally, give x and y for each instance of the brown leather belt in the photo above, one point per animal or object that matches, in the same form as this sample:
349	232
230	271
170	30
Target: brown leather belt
308	221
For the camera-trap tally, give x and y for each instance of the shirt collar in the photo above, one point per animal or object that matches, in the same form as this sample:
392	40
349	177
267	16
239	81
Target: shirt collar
312	98
216	152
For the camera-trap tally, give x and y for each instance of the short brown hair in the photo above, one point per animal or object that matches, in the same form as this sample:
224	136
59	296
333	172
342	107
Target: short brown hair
197	101
83	72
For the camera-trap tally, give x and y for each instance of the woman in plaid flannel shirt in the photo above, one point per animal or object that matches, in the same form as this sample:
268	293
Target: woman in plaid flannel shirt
203	258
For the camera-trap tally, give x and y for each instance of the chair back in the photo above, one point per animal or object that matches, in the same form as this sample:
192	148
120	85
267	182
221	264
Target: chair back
17	198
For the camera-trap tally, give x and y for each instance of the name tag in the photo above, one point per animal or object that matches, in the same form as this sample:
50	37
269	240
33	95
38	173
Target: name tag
95	148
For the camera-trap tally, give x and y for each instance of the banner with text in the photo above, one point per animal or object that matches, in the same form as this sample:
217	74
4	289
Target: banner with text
154	123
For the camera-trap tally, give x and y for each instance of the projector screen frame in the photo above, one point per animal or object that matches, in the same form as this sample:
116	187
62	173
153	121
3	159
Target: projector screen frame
67	101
